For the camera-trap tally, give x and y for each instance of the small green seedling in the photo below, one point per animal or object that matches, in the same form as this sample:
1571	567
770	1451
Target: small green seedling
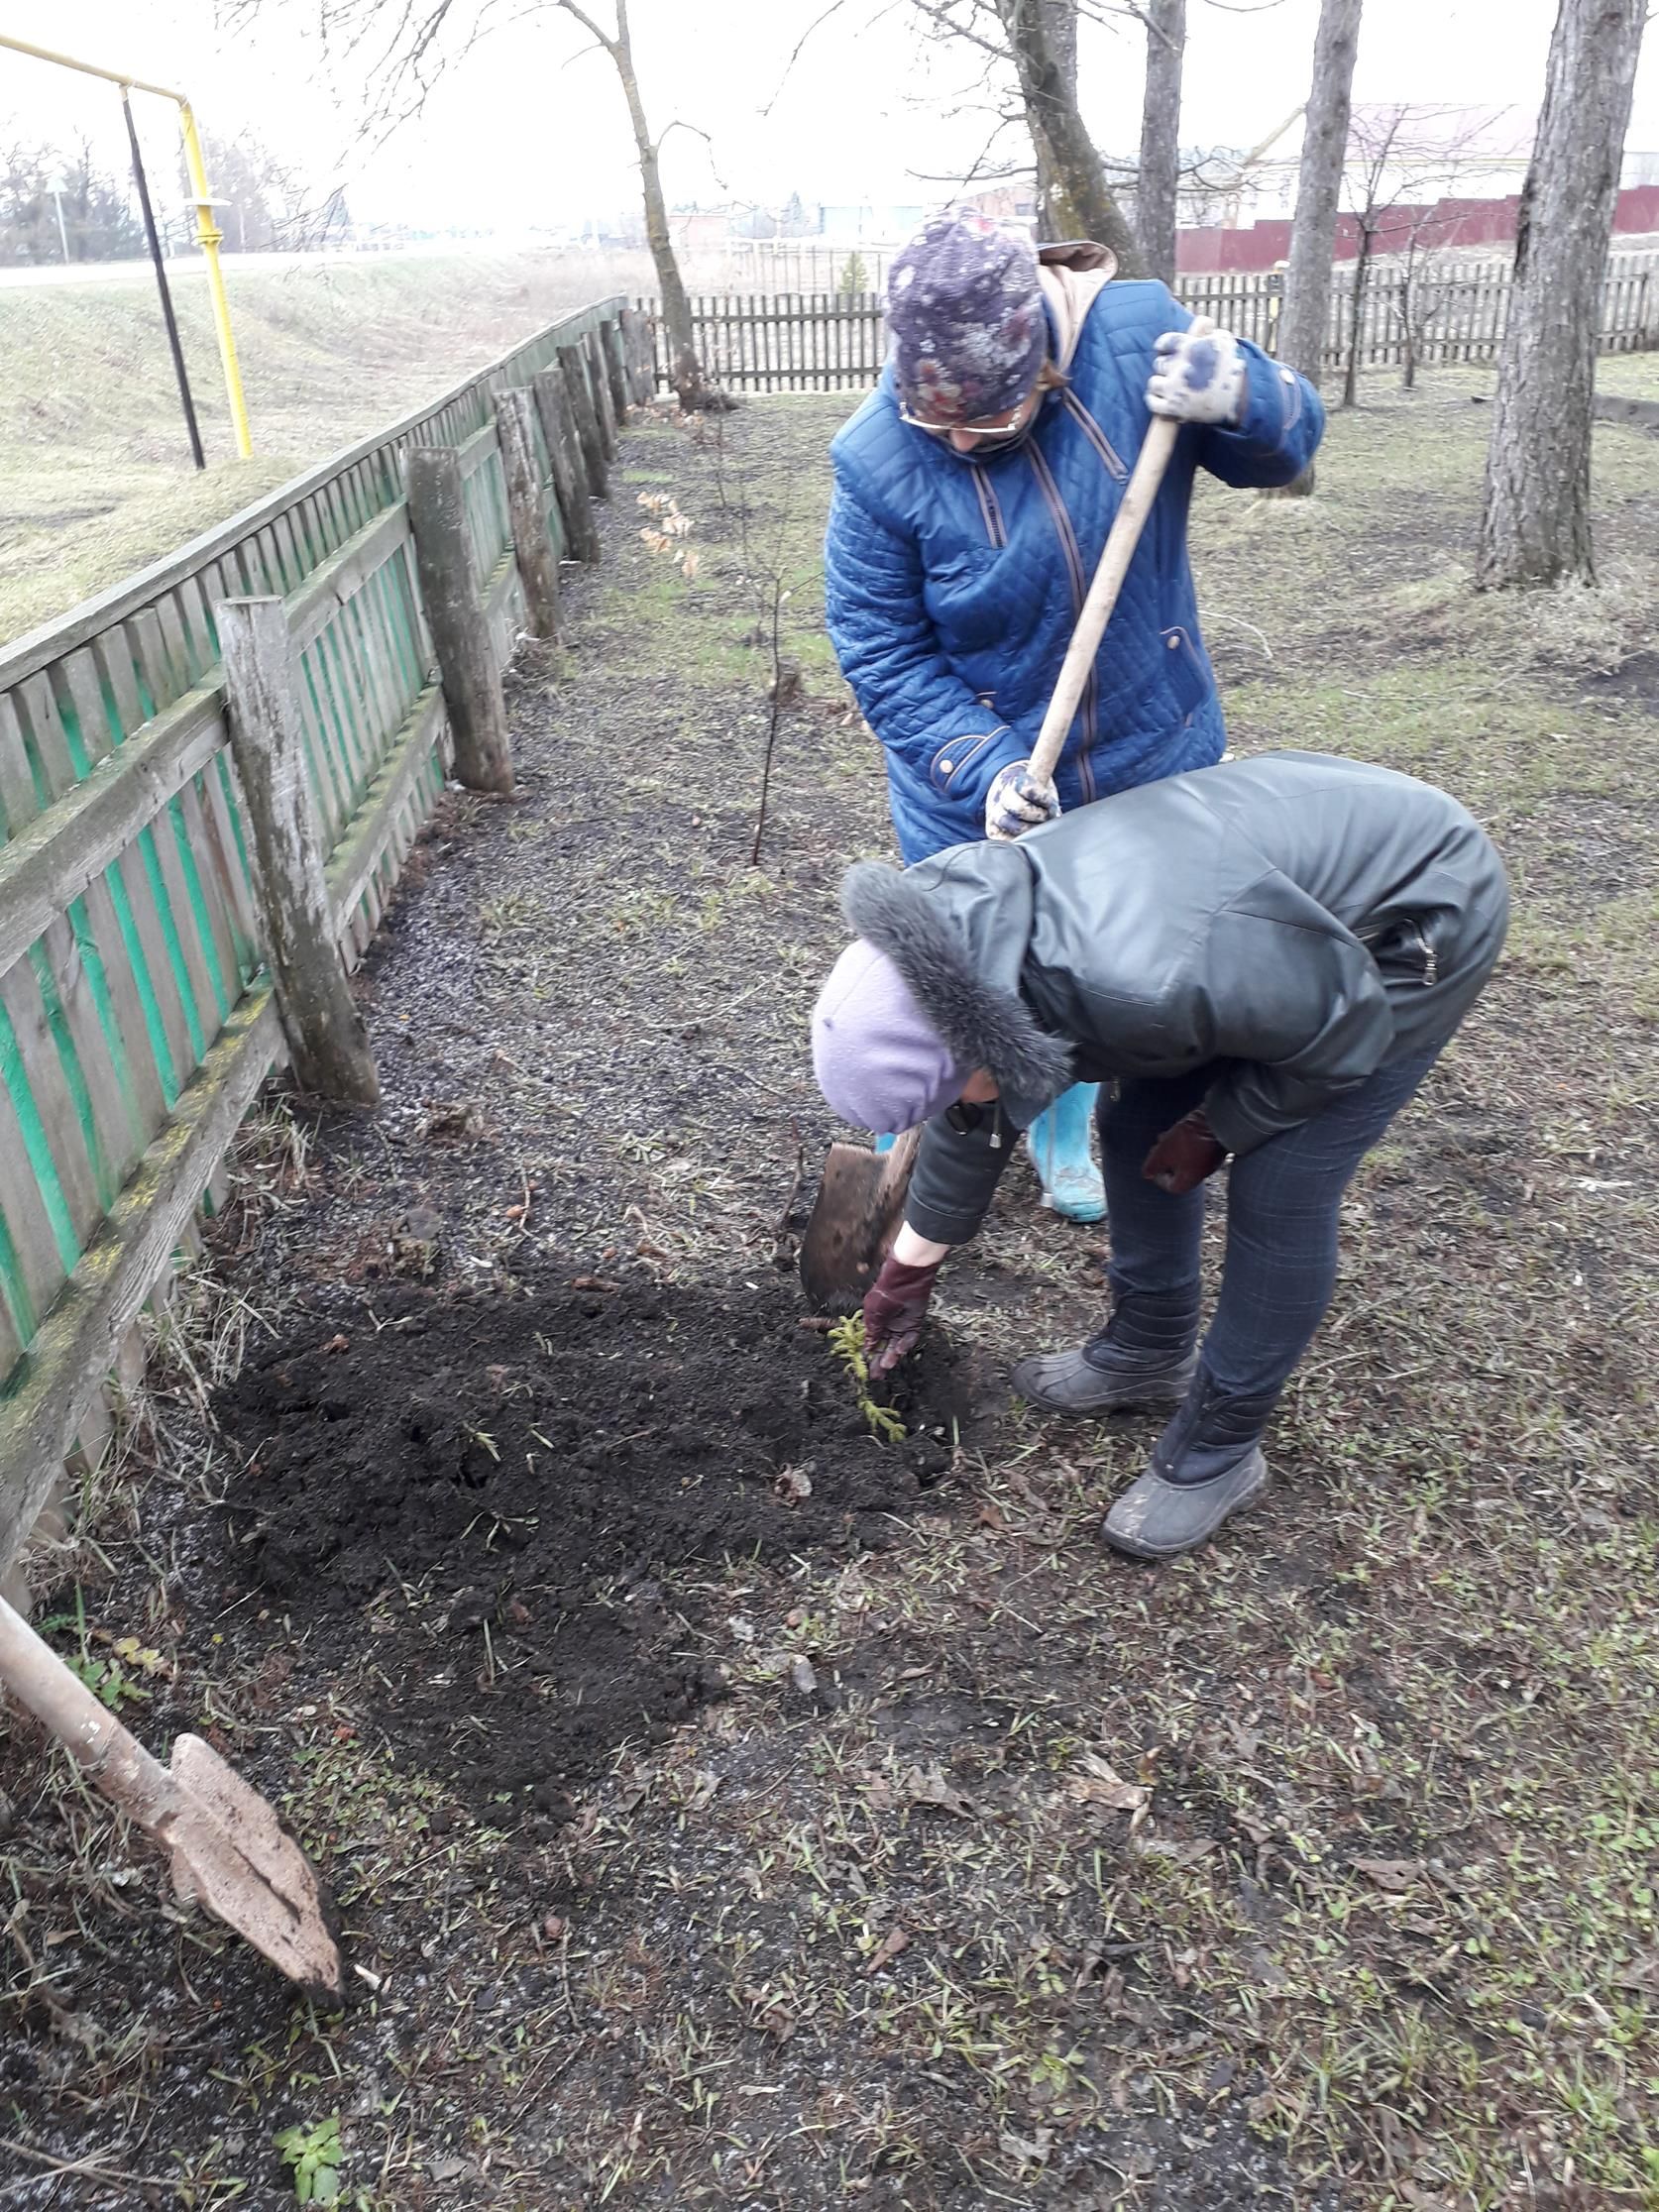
846	1340
314	2156
107	1679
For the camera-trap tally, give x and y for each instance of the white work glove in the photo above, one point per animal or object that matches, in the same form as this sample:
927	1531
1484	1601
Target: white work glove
1197	379
1016	802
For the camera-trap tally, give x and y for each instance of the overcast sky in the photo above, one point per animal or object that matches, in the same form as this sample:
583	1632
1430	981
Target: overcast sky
520	124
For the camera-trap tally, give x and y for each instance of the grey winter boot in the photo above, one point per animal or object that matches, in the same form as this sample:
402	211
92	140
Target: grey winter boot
1143	1357
1206	1465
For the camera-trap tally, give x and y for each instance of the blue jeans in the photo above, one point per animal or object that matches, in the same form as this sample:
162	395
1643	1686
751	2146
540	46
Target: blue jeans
1283	1207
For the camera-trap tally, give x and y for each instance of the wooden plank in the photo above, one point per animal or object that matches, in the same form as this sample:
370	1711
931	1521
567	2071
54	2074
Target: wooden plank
201	650
578	394
20	801
228	859
320	1020
75	1346
329	586
73	977
552	399
64	849
113	653
327	775
159	681
383	706
147	935
343	646
470	678
64	1158
533	547
79	677
182	909
46	739
32	1268
108	967
474	452
355	858
214	894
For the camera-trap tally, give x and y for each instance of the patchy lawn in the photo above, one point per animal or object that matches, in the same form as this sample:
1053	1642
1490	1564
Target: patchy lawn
918	1854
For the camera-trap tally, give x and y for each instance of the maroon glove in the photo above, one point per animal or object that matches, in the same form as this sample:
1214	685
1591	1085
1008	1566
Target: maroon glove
1183	1156
895	1307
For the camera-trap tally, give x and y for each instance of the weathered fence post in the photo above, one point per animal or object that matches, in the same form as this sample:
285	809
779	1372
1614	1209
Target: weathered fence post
599	377
527	511
552	397
617	367
573	366
636	346
465	664
324	1029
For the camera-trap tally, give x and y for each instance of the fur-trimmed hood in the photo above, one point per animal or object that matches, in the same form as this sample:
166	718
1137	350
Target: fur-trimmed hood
956	928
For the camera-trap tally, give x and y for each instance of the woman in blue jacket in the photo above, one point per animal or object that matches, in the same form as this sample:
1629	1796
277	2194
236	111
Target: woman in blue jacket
974	492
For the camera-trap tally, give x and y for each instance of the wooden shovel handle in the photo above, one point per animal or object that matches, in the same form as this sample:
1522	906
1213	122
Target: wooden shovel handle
1116	555
109	1755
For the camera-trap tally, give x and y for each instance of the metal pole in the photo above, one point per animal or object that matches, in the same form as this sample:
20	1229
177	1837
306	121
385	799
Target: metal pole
208	236
207	233
58	202
173	347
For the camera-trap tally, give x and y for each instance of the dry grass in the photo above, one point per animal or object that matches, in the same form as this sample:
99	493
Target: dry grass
1368	1914
95	475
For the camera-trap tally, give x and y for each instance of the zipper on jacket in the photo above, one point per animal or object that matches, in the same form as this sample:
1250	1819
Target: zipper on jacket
1371	933
1095	435
990	507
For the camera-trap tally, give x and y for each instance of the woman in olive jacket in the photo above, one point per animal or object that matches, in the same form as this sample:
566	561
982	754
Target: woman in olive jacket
1259	961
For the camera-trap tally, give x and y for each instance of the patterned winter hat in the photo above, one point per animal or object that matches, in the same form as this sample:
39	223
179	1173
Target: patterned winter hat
965	305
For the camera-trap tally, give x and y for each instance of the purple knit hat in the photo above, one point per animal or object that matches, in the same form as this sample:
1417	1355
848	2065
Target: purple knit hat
965	305
877	1062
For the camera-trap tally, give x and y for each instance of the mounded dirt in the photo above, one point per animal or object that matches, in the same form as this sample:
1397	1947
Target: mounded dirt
502	1485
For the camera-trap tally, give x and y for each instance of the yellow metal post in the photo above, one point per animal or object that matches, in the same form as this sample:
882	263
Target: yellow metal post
208	236
208	233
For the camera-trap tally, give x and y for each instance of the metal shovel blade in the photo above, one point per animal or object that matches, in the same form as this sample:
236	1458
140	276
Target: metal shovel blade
853	1218
231	1853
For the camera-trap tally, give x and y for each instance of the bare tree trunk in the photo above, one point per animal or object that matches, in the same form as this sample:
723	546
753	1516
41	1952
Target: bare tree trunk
1535	517
1161	124
1060	30
1307	281
1082	203
685	369
1407	312
1356	313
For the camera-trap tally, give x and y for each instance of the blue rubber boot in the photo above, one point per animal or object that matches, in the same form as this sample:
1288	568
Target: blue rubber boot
1060	1149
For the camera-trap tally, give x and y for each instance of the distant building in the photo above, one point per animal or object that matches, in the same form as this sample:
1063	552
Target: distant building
1014	204
875	225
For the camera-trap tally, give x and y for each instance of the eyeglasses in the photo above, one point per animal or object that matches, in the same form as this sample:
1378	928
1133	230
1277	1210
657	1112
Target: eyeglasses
986	433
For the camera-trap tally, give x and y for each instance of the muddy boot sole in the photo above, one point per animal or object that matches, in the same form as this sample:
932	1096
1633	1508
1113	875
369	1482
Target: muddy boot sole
1155	1519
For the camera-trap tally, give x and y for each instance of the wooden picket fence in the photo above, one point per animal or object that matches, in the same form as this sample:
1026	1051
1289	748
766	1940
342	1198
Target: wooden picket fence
1452	312
142	907
784	341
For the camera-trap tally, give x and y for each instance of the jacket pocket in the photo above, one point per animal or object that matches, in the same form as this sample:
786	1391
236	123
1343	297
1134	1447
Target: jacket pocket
1187	669
956	755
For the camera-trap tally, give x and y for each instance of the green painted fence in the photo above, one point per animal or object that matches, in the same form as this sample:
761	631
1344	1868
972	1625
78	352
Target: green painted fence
136	1019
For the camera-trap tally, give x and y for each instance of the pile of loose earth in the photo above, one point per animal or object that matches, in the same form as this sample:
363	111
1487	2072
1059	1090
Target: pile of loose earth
497	1487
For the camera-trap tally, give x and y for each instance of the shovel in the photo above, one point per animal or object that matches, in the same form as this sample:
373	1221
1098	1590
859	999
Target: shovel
230	1851
862	1193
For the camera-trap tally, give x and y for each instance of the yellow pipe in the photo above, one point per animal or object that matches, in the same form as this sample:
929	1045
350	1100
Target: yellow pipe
208	234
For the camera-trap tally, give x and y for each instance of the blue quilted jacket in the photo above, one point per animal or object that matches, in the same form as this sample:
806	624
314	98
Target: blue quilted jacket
952	583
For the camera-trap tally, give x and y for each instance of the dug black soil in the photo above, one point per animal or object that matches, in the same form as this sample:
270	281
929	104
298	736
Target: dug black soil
487	1492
